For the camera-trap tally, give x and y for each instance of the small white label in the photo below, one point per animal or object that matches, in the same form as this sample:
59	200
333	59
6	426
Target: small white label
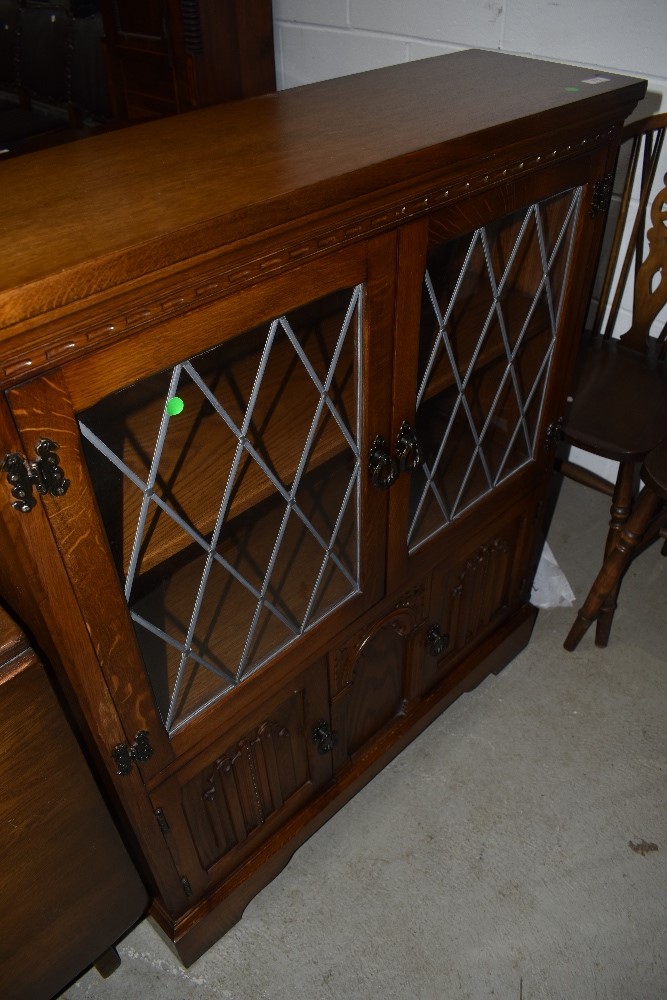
594	80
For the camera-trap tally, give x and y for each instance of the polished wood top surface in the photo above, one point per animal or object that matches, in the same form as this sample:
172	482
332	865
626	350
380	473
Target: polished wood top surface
129	202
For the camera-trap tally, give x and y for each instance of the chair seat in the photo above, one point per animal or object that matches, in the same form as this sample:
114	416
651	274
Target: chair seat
622	426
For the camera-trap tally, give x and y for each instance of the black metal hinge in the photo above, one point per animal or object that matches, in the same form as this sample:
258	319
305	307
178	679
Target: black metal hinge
602	189
44	474
187	888
140	751
162	820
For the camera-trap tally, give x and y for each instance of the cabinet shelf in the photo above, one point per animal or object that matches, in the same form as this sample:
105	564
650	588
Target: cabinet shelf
498	290
476	436
199	449
464	328
246	613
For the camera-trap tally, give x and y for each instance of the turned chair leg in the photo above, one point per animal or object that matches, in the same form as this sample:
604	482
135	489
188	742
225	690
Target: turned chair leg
602	594
621	505
605	617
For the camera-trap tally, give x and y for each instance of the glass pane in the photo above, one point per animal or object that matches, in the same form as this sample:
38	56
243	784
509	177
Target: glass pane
229	490
490	310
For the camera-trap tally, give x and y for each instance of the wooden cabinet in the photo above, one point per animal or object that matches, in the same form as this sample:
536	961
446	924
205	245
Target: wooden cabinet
68	885
289	406
168	56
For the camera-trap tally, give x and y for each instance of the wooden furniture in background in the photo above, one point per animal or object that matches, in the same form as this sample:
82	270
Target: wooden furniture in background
167	56
69	69
278	432
619	394
53	84
68	887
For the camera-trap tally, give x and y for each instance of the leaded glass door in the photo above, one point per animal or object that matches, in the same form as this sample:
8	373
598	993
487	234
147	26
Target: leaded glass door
238	473
490	308
229	486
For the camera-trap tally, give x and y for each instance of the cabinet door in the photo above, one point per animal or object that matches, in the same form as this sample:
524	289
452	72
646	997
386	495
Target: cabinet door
475	592
488	293
374	677
225	804
220	515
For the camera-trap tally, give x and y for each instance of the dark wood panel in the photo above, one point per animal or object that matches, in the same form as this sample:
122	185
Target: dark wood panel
230	800
254	783
374	670
481	585
68	885
177	55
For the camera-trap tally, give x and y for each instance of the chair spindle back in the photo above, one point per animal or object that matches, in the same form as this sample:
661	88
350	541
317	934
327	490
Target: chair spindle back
644	141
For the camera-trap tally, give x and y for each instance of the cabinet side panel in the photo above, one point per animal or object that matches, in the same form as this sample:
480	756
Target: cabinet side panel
42	409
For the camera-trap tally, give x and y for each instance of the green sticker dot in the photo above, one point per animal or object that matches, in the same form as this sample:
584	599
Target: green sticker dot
175	405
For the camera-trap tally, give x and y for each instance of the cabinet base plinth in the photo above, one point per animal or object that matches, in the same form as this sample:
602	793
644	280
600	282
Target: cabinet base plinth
192	934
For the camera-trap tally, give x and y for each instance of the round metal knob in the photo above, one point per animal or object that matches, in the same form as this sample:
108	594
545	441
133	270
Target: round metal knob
436	641
324	739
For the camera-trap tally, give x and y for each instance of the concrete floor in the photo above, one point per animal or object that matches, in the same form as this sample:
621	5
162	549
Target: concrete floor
517	850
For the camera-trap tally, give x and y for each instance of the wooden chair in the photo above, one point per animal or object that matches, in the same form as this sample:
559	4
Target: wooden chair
641	528
619	397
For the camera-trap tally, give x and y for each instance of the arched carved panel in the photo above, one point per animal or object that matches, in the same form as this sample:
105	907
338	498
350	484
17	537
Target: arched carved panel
373	675
404	616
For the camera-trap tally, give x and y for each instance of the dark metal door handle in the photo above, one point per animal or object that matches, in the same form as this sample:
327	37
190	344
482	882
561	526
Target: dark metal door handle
408	451
383	468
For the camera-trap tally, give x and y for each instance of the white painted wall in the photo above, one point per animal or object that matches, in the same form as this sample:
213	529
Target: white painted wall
321	39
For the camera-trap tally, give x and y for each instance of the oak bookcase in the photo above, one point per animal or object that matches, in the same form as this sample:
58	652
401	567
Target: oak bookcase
281	380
